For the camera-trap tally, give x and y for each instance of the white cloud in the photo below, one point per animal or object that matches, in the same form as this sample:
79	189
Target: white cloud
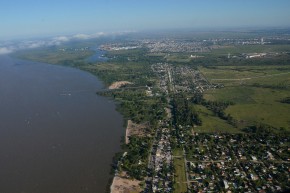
61	38
8	47
5	50
99	34
81	36
35	44
89	36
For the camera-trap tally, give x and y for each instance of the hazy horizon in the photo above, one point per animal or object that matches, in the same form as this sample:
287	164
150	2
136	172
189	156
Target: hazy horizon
31	18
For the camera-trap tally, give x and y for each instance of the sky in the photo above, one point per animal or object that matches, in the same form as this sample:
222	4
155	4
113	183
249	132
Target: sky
37	18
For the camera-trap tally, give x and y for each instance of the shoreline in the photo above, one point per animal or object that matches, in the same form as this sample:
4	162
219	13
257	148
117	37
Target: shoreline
127	134
122	184
131	128
118	84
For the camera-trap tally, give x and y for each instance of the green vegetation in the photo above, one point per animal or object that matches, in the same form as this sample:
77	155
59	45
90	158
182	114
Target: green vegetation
212	123
136	160
213	100
178	58
237	75
135	105
286	100
180	185
277	55
257	97
184	112
250	49
177	152
255	152
54	55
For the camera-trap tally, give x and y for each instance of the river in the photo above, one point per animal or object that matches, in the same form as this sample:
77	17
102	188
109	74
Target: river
56	134
98	56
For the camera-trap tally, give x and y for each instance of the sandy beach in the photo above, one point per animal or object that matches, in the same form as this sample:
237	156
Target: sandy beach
122	184
134	129
119	84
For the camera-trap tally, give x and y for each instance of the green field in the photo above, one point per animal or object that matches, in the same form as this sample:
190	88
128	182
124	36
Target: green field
55	56
266	109
180	184
246	74
212	123
177	152
251	49
256	92
180	57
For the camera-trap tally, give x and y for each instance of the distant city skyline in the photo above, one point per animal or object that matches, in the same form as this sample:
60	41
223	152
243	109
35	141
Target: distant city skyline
36	18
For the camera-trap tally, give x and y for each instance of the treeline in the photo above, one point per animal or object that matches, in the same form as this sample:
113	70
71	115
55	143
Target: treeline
135	105
136	73
135	160
281	86
224	61
286	100
267	131
183	112
140	55
217	107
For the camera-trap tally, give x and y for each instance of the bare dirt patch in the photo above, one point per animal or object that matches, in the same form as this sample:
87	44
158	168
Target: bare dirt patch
119	84
134	129
122	184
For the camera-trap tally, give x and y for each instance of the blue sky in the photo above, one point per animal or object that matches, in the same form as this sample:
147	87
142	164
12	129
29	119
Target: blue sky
29	18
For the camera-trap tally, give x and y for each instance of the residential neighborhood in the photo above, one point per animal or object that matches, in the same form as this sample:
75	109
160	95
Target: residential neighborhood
237	162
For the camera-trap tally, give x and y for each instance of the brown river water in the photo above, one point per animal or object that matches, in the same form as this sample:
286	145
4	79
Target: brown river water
56	134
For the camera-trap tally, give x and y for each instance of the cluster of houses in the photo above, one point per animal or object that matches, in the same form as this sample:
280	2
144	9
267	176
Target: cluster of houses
180	78
187	79
162	163
218	162
174	46
215	162
238	163
163	72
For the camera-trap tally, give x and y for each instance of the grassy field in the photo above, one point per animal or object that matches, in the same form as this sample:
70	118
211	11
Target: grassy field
266	109
212	123
239	94
256	92
246	74
54	56
180	185
180	58
177	152
251	49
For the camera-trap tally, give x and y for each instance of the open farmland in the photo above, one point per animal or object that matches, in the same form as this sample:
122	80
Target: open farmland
256	92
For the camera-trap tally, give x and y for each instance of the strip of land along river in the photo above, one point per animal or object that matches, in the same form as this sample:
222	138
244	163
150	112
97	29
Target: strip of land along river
56	134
